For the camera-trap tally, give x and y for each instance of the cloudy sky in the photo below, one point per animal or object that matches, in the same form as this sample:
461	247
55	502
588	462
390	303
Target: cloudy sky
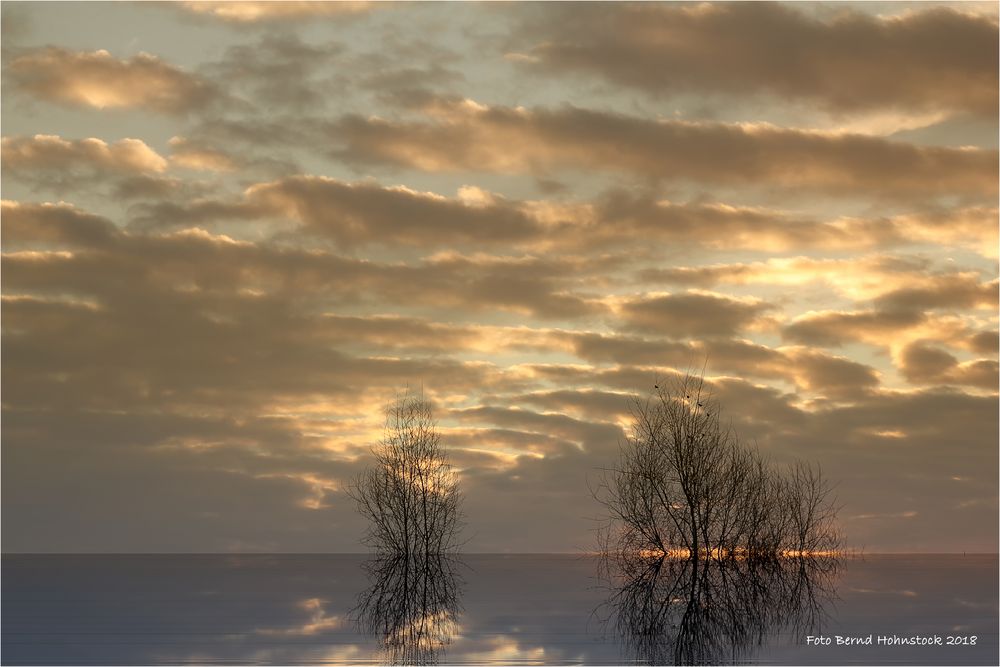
233	231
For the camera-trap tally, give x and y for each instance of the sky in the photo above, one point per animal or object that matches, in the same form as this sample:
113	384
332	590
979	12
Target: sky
233	232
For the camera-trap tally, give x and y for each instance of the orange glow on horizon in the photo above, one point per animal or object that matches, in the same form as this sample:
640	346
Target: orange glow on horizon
737	554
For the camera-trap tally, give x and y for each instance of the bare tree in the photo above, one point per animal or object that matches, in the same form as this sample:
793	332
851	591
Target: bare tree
410	495
812	515
684	483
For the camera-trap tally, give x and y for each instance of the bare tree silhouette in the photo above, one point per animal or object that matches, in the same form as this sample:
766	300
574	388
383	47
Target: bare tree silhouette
685	484
410	495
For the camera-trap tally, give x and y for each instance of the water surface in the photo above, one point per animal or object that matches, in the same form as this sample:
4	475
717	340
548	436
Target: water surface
481	609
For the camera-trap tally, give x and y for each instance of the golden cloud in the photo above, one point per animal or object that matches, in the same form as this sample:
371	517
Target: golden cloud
465	135
191	155
248	11
99	80
47	152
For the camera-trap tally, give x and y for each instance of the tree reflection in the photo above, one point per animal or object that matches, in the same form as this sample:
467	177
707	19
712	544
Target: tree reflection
411	605
684	611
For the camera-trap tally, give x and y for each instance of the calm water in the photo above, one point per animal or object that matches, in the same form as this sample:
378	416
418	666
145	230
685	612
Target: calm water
531	609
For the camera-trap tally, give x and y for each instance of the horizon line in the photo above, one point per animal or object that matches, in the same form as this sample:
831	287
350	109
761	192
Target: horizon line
852	553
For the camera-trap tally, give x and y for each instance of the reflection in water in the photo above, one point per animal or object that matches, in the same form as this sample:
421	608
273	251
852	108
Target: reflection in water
411	605
319	622
297	610
672	611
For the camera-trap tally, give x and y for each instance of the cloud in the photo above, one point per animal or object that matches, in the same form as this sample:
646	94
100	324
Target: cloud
381	332
736	356
834	328
226	365
724	226
485	448
146	186
921	363
192	155
160	215
834	377
602	348
248	11
954	291
691	314
587	435
207	262
778	271
44	152
54	225
890	282
985	342
622	215
127	470
906	334
191	300
99	80
279	71
931	59
545	287
811	371
367	212
240	308
585	403
973	227
353	213
465	135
